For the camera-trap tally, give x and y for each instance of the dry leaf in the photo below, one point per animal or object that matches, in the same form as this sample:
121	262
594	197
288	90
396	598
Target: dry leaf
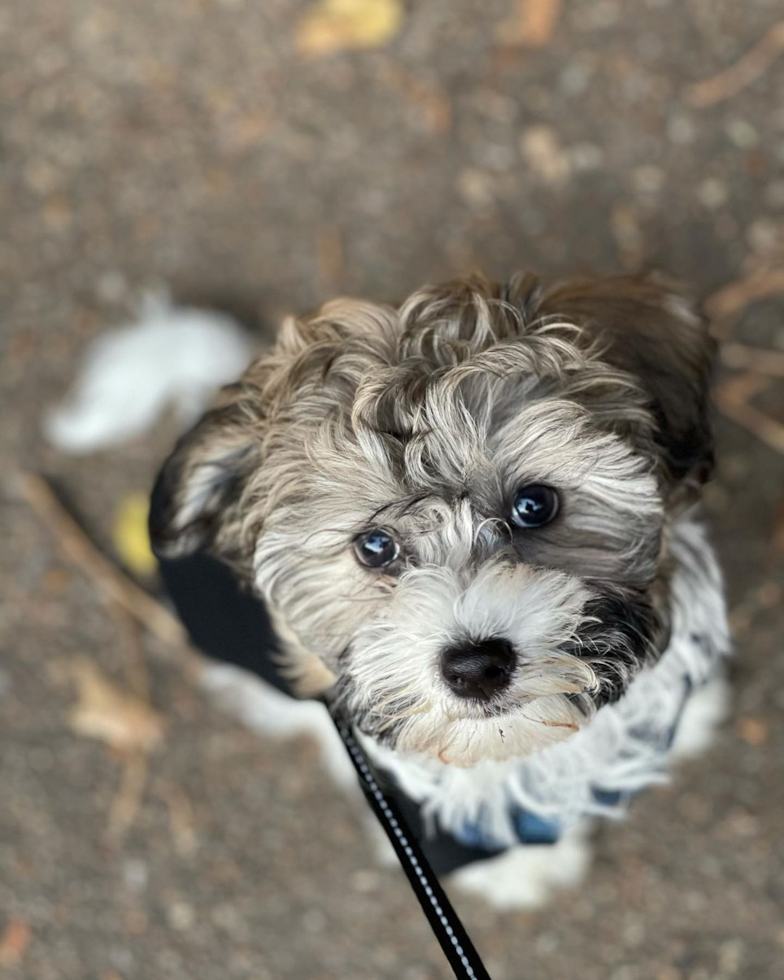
337	25
14	941
753	731
532	25
130	535
119	718
732	299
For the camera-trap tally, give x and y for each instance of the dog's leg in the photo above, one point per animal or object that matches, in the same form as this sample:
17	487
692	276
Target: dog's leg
269	712
526	877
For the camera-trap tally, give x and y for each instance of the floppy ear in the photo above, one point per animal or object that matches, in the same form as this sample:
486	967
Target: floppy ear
646	328
195	501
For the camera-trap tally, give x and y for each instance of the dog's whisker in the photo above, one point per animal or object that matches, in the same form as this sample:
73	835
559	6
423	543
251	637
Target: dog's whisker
393	719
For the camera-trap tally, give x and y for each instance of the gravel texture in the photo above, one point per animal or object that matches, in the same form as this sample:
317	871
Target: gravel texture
192	144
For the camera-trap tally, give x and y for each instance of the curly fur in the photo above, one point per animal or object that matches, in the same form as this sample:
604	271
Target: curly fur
423	420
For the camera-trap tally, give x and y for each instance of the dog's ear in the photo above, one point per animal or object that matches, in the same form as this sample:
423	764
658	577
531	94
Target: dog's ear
645	327
196	496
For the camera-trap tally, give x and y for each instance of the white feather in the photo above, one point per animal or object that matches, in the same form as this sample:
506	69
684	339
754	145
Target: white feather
169	357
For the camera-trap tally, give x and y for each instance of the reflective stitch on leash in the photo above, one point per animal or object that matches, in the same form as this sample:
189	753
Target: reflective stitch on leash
444	921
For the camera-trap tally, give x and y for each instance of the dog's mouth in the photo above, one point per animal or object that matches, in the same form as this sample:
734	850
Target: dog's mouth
492	732
504	706
390	725
391	712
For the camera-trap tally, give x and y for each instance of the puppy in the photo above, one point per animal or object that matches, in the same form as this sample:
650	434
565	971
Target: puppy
474	520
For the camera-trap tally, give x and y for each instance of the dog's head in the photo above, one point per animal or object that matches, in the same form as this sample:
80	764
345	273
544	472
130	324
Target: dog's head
457	510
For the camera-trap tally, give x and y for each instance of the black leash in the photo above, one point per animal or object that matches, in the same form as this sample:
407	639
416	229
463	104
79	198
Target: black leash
444	921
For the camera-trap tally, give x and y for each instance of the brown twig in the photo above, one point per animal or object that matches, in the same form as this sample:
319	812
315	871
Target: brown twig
128	797
746	70
136	670
733	399
740	357
114	585
182	822
729	301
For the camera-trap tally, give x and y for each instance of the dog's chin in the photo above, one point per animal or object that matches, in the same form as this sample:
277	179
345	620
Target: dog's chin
477	734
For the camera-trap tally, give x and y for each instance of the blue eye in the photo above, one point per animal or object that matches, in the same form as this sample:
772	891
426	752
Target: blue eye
376	548
534	505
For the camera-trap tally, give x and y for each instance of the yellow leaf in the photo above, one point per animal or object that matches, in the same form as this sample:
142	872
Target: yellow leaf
753	731
110	714
130	535
336	25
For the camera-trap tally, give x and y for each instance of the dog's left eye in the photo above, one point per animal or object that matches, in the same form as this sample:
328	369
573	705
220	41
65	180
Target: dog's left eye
376	548
534	505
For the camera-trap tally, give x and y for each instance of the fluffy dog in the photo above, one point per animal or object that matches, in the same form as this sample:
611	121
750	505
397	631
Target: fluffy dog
474	519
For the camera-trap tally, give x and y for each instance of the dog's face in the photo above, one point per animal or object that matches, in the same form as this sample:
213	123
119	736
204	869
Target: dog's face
457	510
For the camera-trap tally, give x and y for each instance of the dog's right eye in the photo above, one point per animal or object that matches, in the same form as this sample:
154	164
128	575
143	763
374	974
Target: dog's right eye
534	505
376	549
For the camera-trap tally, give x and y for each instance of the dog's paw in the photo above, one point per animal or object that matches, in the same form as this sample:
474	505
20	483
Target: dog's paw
527	877
705	710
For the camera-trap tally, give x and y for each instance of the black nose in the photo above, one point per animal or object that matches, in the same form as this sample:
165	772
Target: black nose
478	669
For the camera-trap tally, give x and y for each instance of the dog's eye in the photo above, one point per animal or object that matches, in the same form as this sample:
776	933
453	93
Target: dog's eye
534	505
376	548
